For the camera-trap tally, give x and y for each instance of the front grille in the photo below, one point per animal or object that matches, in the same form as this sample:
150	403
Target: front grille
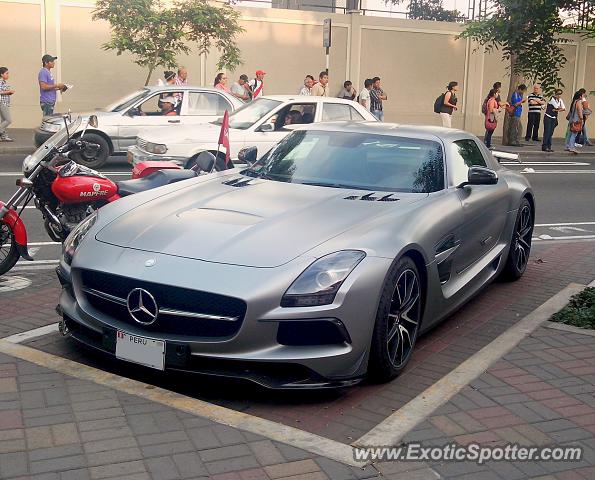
178	307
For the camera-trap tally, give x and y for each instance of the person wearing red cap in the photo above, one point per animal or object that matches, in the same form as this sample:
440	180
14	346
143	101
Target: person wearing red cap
256	84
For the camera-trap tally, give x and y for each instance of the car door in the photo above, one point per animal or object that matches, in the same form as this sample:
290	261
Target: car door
144	116
271	131
203	107
484	206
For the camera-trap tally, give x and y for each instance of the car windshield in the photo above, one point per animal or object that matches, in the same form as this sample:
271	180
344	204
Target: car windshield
247	115
127	101
363	161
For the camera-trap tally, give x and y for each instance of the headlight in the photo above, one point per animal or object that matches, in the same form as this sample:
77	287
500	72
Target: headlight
76	237
29	163
320	282
51	127
156	148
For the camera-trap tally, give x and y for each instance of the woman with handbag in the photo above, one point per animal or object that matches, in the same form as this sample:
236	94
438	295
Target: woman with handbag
491	121
550	119
575	122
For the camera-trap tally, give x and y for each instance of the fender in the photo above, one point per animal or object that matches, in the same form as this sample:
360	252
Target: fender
11	218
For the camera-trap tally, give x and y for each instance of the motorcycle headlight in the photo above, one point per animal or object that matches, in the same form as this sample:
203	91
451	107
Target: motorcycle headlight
320	282
76	237
158	148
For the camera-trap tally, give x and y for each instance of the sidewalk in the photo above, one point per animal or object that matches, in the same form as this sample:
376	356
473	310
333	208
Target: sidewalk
23	142
534	148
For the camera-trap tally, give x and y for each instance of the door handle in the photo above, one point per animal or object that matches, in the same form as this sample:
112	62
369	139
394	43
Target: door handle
173	121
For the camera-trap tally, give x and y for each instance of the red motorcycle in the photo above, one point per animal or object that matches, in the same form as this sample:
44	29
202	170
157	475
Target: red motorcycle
66	192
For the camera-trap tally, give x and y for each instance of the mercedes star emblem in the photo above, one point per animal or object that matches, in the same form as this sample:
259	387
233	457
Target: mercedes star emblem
142	306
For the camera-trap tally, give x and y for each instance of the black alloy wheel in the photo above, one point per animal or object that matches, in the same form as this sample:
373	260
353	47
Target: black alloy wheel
397	323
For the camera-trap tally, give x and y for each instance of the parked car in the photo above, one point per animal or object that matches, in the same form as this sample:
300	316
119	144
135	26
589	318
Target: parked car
318	265
120	122
261	123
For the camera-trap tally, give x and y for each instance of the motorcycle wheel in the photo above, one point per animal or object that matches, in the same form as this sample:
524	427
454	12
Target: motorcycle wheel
8	248
97	160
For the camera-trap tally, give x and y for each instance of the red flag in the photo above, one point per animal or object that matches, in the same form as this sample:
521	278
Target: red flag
224	137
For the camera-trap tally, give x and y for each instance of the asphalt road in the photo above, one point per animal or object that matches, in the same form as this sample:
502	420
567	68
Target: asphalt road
564	186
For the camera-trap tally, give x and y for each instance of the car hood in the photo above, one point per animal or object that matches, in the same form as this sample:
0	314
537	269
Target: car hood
187	134
261	224
57	117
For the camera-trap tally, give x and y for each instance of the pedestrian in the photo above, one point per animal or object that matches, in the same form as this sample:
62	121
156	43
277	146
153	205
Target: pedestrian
5	93
170	77
182	77
450	104
364	96
583	137
240	88
550	119
321	88
377	96
575	121
491	119
536	103
47	86
347	92
308	84
578	94
515	110
220	82
257	84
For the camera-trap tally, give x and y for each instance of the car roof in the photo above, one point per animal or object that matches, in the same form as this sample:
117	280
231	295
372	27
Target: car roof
157	88
429	132
305	98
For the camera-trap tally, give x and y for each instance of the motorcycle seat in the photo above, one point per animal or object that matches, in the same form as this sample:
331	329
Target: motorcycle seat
156	179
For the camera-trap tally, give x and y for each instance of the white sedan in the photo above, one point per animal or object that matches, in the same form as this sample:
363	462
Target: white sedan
262	123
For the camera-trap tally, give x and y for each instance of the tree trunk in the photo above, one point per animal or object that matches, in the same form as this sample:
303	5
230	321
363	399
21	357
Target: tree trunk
151	69
515	81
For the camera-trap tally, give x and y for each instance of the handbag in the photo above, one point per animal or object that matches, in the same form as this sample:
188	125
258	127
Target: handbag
490	123
510	109
576	127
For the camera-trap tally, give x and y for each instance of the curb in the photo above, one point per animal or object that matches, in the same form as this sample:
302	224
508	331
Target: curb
16	150
569	328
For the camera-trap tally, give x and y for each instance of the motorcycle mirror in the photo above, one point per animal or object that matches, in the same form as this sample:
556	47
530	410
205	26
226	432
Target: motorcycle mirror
93	121
248	155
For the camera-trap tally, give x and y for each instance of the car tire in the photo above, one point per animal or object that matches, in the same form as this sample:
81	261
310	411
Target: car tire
397	323
520	243
98	160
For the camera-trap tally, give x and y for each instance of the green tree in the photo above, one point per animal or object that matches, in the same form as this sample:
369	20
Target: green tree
429	10
527	33
155	34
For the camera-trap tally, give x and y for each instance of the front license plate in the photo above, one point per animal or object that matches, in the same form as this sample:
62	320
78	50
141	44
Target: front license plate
142	350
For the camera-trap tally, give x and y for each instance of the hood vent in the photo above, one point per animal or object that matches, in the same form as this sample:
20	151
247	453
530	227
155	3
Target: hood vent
371	198
238	182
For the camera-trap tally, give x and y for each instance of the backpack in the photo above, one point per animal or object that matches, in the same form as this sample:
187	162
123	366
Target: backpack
484	107
439	103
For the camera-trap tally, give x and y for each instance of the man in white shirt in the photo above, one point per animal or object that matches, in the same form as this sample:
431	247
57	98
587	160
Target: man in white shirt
364	96
321	88
308	84
257	84
240	88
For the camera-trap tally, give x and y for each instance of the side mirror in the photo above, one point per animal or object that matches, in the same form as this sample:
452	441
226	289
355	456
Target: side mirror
248	155
134	112
267	127
480	176
93	122
205	162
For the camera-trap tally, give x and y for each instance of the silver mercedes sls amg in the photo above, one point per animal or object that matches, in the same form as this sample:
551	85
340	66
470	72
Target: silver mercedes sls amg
317	266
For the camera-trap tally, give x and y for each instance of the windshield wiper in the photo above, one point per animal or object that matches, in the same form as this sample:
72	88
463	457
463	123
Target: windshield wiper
336	185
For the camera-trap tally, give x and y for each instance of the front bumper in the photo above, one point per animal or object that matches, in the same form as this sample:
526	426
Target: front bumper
135	155
256	352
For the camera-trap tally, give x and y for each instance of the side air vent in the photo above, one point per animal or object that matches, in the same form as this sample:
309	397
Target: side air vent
238	182
371	198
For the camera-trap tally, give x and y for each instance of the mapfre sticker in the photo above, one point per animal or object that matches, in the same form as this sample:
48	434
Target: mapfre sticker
97	192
